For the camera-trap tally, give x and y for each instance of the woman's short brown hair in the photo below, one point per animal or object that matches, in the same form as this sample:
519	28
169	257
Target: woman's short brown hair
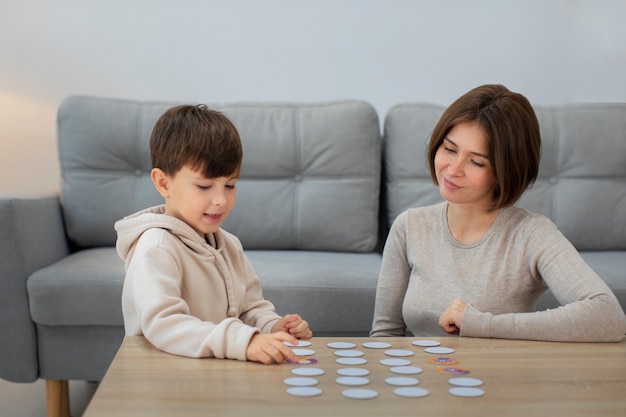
196	136
513	138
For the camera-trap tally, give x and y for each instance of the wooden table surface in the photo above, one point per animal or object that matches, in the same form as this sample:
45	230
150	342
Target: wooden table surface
520	378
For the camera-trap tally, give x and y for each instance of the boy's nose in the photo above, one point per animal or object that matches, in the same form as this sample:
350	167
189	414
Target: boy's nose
219	198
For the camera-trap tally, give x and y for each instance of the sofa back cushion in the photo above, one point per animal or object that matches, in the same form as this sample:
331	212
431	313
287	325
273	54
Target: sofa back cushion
310	176
582	176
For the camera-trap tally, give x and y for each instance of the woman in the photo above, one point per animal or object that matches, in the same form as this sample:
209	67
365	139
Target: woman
475	264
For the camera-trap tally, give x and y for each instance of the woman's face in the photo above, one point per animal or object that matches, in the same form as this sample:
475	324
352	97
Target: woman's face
462	166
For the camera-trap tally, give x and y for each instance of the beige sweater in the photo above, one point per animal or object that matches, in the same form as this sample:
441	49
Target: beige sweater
500	277
186	296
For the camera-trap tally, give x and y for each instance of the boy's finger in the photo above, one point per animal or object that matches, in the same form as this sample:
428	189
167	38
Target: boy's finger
285	337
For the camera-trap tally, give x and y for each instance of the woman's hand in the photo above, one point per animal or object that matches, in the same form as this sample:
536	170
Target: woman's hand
450	319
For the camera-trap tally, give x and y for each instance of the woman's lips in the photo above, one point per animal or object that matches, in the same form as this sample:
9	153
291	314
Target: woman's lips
450	185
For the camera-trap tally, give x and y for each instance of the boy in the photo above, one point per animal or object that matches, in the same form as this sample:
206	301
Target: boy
189	288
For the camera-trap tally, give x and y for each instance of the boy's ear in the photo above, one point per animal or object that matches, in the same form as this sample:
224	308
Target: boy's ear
161	182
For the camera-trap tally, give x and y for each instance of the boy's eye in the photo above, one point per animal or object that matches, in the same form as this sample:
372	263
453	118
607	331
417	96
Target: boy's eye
203	187
230	186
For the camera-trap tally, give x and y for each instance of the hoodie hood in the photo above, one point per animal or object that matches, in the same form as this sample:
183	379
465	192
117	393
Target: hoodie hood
130	229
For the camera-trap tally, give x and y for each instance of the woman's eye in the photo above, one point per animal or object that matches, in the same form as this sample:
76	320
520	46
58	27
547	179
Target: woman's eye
449	149
478	164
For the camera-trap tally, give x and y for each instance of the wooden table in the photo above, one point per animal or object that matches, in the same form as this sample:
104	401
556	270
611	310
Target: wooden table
521	378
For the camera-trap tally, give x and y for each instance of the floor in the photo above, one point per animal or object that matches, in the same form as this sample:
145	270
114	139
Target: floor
29	400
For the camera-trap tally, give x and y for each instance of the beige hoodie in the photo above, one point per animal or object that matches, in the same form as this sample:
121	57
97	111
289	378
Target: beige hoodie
186	296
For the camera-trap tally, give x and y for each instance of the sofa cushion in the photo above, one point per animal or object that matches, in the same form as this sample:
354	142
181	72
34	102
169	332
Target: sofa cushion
84	288
582	177
333	291
407	130
309	180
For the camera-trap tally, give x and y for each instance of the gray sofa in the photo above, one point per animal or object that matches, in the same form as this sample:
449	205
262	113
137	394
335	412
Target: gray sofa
319	187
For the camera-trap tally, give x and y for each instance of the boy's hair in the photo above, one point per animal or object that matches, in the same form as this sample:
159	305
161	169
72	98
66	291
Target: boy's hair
198	137
513	138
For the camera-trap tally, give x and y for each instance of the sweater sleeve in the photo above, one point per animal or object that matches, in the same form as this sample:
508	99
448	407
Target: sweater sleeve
589	310
392	283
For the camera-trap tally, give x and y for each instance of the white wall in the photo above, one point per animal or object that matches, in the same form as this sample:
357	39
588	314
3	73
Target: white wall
382	51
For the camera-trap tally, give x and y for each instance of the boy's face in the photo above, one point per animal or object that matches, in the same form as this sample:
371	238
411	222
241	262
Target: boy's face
203	203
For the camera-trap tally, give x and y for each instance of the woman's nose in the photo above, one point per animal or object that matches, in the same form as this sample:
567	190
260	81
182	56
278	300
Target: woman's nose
455	167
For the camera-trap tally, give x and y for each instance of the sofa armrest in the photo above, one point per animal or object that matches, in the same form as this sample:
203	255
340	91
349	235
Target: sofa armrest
32	235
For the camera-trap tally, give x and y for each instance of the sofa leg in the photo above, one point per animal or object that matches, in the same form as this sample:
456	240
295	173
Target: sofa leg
57	398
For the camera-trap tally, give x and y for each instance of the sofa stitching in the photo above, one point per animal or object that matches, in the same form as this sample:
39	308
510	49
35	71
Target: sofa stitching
295	114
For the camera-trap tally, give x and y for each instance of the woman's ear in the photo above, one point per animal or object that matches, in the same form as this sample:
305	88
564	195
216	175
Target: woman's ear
161	182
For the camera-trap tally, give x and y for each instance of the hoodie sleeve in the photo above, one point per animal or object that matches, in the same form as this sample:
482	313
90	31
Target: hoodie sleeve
153	305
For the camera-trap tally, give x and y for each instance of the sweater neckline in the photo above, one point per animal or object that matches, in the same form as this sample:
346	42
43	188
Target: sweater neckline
448	234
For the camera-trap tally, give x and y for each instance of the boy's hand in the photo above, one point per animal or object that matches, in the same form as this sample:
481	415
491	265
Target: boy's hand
269	348
294	325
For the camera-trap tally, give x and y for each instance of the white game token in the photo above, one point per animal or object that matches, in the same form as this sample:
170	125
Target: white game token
465	382
349	353
406	370
307	371
301	381
425	343
301	343
304	391
303	352
377	345
303	361
402	381
439	350
395	362
412	392
341	345
352	380
466	392
351	361
353	371
359	393
399	352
